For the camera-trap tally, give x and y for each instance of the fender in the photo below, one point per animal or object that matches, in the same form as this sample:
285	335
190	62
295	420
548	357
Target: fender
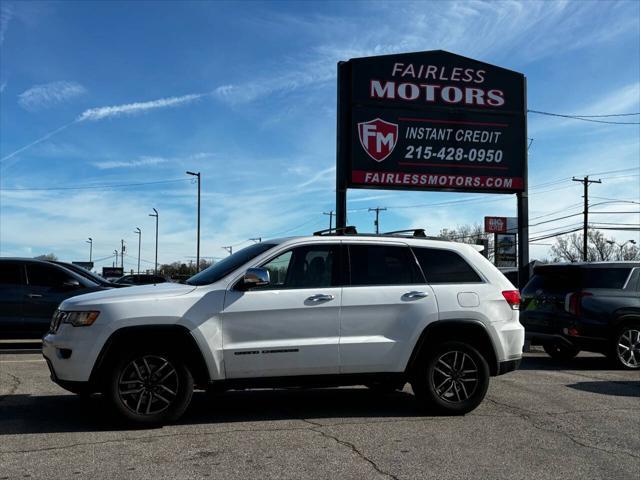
470	330
176	336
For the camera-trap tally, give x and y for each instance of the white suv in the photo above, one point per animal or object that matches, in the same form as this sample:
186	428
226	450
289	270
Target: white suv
323	310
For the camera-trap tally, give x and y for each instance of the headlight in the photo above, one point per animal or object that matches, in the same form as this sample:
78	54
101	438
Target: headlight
80	319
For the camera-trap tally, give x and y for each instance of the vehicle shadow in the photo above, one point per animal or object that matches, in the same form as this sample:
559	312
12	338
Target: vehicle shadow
20	414
544	362
618	389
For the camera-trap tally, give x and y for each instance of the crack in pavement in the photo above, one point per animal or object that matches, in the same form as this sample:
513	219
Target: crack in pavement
349	445
13	388
527	416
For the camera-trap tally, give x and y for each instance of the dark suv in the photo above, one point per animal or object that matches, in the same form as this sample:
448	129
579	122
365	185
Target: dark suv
585	306
30	292
139	279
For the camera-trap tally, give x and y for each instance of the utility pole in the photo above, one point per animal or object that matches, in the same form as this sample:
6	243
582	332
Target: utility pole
122	254
377	222
585	182
139	233
155	214
256	240
197	175
331	214
90	242
229	249
115	264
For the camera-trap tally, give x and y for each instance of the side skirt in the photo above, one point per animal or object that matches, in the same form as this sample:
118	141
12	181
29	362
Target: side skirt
310	381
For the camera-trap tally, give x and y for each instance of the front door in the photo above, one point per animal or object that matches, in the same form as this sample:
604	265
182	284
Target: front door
291	326
47	287
12	291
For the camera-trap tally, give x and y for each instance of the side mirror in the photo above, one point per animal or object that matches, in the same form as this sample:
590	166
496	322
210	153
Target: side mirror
71	284
255	277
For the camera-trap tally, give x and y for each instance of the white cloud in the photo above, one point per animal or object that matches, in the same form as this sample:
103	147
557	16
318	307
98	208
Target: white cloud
49	94
143	161
100	113
6	14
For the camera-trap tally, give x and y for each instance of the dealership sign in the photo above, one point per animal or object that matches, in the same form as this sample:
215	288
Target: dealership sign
431	121
500	224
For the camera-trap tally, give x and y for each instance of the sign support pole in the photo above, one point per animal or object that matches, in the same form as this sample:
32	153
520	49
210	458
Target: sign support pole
343	142
523	237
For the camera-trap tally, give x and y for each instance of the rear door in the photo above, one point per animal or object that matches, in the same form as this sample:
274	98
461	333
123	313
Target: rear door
384	308
12	291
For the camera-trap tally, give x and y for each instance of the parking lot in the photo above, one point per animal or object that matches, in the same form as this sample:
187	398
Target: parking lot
547	420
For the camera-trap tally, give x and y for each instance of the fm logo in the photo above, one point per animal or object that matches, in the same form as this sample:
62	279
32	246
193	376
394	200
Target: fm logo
378	138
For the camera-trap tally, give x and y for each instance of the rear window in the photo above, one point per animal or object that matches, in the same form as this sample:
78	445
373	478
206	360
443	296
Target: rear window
445	266
605	277
382	265
563	280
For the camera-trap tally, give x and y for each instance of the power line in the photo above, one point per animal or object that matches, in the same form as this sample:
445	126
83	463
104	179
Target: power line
589	118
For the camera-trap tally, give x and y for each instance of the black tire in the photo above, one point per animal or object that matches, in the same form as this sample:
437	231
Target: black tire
385	388
456	390
560	351
625	347
149	388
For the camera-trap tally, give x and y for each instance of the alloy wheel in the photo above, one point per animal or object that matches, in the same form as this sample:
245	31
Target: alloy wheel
148	385
628	347
455	376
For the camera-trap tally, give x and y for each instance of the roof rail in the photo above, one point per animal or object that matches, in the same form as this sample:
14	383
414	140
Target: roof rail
415	232
348	230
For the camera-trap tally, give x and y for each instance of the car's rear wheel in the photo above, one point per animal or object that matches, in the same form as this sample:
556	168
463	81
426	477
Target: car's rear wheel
560	351
453	379
626	347
150	388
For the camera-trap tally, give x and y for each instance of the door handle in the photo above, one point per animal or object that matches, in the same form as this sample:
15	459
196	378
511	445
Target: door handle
34	295
320	298
415	294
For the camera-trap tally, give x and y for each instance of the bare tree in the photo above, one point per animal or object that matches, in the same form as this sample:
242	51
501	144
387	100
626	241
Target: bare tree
48	256
472	234
599	249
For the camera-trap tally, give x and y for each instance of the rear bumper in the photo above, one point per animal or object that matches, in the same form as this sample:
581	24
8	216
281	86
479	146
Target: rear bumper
595	344
508	366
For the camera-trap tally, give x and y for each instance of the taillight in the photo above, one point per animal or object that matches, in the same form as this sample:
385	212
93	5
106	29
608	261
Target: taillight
513	298
573	302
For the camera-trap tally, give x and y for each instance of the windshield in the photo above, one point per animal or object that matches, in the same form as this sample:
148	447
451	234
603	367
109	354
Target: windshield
224	267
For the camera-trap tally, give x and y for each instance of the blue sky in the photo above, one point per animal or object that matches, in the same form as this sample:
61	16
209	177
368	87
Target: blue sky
96	93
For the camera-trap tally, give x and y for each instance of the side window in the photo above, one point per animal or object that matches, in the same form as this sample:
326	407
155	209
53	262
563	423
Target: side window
382	265
445	266
11	274
304	267
45	276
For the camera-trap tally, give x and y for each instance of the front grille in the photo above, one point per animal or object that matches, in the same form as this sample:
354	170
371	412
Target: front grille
57	319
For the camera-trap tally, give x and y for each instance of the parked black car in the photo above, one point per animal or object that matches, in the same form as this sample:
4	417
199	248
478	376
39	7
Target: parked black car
88	274
585	306
140	279
30	292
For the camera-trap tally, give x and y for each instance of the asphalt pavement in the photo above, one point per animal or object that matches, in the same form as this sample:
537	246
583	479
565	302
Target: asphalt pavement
548	420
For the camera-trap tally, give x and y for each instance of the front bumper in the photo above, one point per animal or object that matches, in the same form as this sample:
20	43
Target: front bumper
508	366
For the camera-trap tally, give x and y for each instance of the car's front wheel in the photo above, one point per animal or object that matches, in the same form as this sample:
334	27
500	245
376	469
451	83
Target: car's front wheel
626	347
150	388
453	380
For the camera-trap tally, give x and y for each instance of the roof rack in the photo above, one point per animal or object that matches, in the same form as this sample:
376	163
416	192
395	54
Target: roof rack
348	230
415	232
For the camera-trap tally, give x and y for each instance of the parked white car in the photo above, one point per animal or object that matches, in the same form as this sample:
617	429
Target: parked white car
322	310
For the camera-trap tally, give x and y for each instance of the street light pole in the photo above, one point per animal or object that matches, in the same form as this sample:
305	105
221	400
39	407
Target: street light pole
197	175
155	214
90	242
139	233
116	262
